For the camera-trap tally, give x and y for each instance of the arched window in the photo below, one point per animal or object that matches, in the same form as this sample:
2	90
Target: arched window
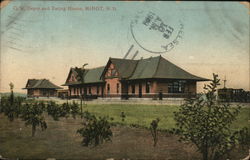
97	90
147	87
117	88
133	88
89	90
108	88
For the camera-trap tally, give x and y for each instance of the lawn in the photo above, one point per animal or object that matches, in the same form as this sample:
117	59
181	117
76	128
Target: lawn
143	114
61	141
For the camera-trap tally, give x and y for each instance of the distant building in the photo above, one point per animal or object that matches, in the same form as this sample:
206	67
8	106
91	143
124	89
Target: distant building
62	93
145	78
41	88
233	95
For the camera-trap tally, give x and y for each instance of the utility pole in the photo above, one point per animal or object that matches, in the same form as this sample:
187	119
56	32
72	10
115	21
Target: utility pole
225	80
82	81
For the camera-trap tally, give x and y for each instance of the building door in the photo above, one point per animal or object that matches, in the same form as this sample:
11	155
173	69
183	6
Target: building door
124	90
102	91
140	90
85	92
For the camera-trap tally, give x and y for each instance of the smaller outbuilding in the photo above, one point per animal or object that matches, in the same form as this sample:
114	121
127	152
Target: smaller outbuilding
41	88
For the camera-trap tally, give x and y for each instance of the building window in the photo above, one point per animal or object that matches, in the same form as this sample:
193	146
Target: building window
80	91
147	87
74	90
117	88
30	92
133	88
97	90
83	91
89	90
108	88
44	92
176	86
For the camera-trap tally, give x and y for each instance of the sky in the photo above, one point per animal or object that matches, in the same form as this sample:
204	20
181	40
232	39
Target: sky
38	43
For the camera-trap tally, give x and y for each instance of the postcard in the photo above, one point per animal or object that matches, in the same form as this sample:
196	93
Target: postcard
124	80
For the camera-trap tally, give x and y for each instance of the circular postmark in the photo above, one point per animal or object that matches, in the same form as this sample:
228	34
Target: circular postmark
154	33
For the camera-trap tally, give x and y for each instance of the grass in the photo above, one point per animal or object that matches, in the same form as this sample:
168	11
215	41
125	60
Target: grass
60	140
136	114
143	114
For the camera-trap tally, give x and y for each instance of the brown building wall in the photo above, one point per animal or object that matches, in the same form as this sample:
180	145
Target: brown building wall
155	87
112	83
162	87
91	89
42	93
36	92
191	87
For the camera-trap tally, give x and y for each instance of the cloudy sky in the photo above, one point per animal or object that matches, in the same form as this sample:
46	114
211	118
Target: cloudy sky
45	38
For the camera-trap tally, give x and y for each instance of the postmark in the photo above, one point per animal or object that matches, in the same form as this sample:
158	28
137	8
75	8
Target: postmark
156	34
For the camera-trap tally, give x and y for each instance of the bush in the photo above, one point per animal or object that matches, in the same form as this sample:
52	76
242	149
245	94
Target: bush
74	109
55	110
206	123
11	107
32	114
95	130
123	116
153	129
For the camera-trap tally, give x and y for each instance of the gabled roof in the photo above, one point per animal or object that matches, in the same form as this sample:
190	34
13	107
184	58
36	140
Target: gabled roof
153	67
167	69
90	75
125	67
146	68
40	84
159	67
93	75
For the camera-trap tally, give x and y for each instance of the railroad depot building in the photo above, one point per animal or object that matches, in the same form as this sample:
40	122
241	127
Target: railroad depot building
41	88
125	78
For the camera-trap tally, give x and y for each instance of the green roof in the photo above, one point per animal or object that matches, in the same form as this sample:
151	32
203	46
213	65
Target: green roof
153	67
93	75
145	68
159	67
169	70
125	67
89	75
40	84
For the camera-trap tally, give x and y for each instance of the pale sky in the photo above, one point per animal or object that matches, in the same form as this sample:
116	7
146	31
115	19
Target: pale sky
46	43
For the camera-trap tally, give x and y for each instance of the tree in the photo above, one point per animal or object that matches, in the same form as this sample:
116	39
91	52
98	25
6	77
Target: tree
74	109
80	77
10	105
206	123
32	114
153	129
95	130
11	93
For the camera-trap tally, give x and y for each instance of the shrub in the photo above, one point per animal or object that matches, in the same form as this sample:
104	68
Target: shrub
74	109
95	130
123	116
32	114
153	129
206	123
